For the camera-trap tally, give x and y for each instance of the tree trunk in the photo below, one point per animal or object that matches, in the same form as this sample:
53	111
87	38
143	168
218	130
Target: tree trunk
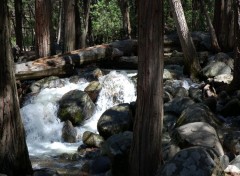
14	158
78	24
124	7
235	84
18	27
191	65
214	41
224	24
43	25
69	25
146	154
86	9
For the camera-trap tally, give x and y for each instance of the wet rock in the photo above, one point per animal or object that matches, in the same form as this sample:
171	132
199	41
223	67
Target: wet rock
197	113
197	161
45	172
195	94
92	74
100	165
231	142
49	82
178	104
211	103
93	90
167	96
115	120
117	148
69	133
91	139
180	92
75	106
197	134
169	151
223	57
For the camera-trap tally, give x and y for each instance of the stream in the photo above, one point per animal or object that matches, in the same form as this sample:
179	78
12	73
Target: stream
43	128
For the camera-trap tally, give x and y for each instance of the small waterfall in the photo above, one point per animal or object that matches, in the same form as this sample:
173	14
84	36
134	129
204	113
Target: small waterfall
39	113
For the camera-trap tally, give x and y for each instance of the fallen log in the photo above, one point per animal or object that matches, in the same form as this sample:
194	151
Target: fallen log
64	64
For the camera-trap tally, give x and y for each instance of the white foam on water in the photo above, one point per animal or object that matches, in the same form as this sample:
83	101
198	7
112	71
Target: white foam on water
42	126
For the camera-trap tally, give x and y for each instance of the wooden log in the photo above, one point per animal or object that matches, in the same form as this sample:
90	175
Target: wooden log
64	64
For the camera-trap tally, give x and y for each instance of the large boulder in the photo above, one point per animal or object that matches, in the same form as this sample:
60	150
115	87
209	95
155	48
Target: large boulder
117	148
178	104
197	134
216	68
197	112
194	161
75	106
115	120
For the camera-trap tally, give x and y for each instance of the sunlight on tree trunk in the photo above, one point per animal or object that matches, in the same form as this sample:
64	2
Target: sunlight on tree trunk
191	62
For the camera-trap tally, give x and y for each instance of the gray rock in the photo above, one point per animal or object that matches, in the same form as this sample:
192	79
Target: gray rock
49	82
117	148
45	172
194	161
93	90
100	165
91	139
178	104
69	133
115	120
197	113
180	92
197	134
75	106
234	166
195	94
216	68
231	142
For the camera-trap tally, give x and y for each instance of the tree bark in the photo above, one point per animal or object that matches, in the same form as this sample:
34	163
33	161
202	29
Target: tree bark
43	27
14	158
224	24
18	19
69	25
146	154
235	84
191	66
78	24
214	40
86	8
124	7
64	64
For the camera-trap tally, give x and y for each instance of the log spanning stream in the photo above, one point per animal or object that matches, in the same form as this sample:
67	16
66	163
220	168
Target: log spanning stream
43	128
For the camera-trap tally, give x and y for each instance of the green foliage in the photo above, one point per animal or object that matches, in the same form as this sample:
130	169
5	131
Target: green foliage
106	20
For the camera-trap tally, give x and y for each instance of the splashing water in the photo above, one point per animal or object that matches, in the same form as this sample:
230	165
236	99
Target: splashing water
39	113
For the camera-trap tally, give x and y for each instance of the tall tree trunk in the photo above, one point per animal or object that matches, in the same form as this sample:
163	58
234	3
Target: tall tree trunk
124	7
191	63
14	158
235	84
224	24
69	25
214	40
78	24
43	27
18	19
86	8
146	154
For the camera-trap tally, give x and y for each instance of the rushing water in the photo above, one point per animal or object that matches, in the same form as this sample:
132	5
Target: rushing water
42	125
